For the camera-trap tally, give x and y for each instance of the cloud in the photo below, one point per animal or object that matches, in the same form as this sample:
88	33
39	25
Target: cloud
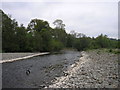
60	0
90	18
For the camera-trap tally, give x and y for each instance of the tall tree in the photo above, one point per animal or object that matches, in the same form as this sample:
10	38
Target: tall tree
103	41
40	31
59	24
21	39
37	25
8	33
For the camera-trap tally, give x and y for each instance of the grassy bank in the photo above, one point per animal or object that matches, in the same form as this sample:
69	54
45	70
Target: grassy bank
114	51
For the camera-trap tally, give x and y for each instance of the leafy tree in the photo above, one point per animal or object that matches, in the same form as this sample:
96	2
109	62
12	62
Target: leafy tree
114	43
30	42
8	33
40	32
93	45
39	36
20	40
38	42
37	25
59	32
77	35
56	45
59	24
82	43
103	41
70	40
46	37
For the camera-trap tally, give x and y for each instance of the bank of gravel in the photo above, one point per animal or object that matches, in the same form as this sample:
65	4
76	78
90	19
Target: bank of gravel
10	57
95	69
7	56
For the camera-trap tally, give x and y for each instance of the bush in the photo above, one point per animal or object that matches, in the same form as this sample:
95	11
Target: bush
110	50
56	45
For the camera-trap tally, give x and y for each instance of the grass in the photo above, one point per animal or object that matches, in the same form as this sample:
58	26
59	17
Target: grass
98	51
115	51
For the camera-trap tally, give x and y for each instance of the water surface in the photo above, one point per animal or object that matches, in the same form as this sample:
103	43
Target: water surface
43	69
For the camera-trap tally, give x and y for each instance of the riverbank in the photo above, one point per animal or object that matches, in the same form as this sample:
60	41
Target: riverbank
10	57
95	69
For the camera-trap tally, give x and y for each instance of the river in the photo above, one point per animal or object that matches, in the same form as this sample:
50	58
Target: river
42	69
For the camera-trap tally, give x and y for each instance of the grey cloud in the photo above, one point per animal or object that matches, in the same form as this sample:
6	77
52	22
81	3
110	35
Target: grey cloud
90	18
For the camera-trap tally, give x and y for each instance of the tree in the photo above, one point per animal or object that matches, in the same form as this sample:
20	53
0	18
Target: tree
60	35
56	45
21	39
59	24
103	41
37	25
70	40
38	42
39	30
46	37
82	43
39	36
8	33
59	32
77	35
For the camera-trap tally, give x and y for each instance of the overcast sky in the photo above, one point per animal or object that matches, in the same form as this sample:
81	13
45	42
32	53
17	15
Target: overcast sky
91	17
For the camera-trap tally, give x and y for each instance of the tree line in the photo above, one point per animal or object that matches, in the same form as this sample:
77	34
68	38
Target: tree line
38	36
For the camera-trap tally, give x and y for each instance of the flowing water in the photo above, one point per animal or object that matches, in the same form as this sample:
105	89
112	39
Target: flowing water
42	69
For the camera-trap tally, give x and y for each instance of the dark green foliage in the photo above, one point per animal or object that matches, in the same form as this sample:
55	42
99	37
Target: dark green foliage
115	51
20	38
46	39
70	41
82	43
8	34
56	45
110	50
102	41
40	37
60	35
37	25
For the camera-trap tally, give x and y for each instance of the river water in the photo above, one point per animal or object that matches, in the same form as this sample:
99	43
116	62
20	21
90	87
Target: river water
42	69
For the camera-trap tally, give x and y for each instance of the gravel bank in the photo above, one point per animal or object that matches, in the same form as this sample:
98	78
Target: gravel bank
10	57
7	56
96	69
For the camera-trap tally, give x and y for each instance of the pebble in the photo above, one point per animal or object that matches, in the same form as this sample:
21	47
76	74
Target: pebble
91	71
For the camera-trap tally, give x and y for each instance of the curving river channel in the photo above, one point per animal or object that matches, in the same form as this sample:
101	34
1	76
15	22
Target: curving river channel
42	69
